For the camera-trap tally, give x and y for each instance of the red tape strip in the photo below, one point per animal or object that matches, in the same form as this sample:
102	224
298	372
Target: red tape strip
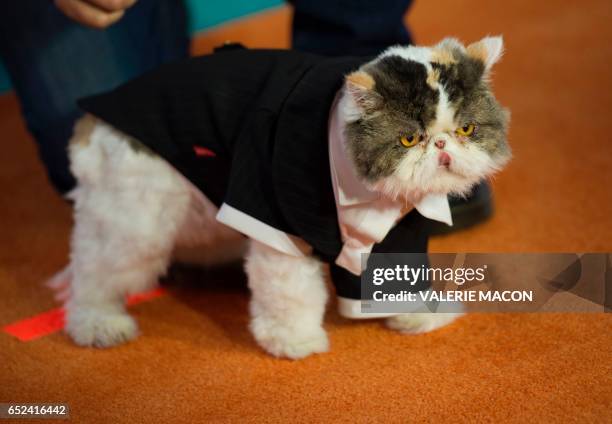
52	321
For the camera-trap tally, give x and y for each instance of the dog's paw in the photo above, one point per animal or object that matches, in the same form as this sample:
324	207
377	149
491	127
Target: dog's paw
417	323
283	341
100	328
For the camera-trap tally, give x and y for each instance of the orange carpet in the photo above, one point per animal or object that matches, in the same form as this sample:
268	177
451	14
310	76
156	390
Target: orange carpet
195	360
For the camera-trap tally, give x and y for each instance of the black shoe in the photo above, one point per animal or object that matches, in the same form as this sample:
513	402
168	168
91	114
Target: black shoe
467	212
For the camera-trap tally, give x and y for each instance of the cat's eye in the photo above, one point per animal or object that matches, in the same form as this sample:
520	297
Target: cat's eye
410	140
466	130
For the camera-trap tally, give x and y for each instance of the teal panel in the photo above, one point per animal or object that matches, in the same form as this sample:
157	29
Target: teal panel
205	14
5	83
202	14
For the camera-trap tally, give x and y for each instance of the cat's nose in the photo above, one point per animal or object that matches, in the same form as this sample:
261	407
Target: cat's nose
440	144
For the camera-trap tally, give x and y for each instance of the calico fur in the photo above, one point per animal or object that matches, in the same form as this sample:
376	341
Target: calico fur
428	93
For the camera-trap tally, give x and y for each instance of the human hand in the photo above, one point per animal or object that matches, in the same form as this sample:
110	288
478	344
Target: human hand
94	13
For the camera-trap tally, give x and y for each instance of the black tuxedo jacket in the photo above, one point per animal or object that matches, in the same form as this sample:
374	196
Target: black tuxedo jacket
249	128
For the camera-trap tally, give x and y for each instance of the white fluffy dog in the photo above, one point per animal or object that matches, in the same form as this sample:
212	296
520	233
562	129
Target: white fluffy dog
133	209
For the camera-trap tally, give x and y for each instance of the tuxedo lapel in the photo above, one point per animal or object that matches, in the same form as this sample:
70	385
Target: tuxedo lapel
301	173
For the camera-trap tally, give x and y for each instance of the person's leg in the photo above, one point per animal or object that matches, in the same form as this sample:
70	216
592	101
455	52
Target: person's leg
53	61
349	27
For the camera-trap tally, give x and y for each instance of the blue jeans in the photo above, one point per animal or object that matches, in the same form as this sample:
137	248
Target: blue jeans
52	61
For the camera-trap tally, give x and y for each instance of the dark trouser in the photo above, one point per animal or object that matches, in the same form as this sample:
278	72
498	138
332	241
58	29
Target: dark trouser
349	27
52	61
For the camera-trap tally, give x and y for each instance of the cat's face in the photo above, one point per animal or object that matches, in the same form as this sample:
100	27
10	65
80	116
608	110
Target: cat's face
423	119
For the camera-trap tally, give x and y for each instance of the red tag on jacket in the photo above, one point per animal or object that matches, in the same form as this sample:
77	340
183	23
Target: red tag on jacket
203	151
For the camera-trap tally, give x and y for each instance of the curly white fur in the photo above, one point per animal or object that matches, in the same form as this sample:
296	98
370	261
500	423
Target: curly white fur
131	211
288	302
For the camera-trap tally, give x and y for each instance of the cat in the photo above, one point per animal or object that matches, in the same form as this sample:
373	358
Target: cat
409	124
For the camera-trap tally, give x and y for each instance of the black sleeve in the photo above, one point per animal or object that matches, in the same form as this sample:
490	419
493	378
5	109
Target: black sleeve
410	235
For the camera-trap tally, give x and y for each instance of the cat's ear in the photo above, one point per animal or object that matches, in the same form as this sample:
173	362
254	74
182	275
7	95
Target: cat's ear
449	44
488	50
361	87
